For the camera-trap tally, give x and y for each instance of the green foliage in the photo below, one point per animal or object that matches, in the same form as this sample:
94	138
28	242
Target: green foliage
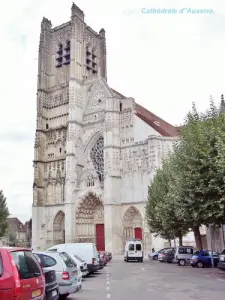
4	213
189	189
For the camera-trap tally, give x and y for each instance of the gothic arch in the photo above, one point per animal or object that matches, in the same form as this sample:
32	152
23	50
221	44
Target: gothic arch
132	219
59	228
92	140
89	212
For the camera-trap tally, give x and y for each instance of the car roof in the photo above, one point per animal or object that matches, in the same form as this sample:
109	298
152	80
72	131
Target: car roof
11	249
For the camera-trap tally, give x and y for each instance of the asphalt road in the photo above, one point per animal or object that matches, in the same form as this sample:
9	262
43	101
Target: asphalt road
152	280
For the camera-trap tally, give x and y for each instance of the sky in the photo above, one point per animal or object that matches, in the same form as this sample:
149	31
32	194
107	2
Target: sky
164	61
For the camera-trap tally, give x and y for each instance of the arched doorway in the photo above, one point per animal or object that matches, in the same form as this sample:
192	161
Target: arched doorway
132	224
59	228
90	221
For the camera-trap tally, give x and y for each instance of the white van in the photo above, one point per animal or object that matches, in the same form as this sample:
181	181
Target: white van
133	250
87	251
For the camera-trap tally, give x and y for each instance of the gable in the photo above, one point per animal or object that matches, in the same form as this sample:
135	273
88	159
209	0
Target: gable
97	92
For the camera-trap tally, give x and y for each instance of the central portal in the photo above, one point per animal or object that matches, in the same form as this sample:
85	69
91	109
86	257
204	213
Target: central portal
90	221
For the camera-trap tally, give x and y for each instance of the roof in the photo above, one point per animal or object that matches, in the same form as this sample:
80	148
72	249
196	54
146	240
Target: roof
161	126
16	225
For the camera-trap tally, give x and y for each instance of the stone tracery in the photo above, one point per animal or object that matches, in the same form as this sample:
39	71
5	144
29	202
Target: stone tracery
97	158
132	219
59	228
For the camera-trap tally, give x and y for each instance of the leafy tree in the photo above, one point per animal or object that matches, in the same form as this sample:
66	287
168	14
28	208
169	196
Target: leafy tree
4	213
192	183
162	212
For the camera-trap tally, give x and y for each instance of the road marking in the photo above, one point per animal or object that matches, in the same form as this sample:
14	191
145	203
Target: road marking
108	288
220	279
207	276
108	296
107	282
142	269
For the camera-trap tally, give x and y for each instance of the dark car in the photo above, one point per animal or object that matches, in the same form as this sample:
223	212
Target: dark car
203	259
167	255
221	264
109	255
51	285
101	262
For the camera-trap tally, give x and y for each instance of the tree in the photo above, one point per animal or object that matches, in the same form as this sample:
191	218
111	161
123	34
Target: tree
200	169
4	213
194	175
162	212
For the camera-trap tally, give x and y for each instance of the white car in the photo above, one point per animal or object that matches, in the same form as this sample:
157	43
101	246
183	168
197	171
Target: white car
81	264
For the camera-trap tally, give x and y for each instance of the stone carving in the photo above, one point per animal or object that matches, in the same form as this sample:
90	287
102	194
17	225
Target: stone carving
97	102
132	217
68	170
61	36
73	133
57	97
56	136
59	228
88	210
97	158
93	40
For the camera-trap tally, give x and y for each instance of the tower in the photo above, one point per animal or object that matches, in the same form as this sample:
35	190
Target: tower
69	54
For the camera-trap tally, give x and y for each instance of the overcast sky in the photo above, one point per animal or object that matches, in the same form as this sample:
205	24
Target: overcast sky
164	61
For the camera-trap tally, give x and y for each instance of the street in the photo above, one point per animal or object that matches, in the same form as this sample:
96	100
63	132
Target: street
152	280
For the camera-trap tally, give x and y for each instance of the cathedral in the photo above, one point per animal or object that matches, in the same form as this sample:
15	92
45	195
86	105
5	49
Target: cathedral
96	151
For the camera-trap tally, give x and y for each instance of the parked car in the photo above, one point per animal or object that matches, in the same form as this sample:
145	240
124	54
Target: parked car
167	255
65	268
154	255
183	255
21	276
81	263
221	264
133	250
104	256
51	285
203	258
101	262
109	255
87	251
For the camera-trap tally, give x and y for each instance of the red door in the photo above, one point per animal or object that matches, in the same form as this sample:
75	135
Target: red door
100	237
138	233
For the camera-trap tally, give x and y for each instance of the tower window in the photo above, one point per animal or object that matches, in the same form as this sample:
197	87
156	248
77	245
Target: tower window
46	126
60	150
67	53
121	106
91	61
59	58
90	180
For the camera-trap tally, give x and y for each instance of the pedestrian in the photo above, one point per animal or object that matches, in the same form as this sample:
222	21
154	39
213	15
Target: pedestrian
153	250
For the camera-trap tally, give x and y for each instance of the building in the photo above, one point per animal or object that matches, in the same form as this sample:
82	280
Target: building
95	149
16	234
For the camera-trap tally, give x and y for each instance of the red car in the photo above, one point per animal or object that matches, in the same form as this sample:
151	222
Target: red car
21	277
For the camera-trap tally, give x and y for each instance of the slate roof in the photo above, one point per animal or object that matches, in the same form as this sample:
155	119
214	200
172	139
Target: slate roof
161	126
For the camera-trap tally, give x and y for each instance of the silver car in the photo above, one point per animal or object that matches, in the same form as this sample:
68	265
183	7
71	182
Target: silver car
65	269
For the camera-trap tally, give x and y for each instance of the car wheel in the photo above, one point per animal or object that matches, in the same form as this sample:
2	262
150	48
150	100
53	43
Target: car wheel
200	264
155	257
182	262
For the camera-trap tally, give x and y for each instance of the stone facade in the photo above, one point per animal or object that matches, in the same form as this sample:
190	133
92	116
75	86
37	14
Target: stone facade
95	150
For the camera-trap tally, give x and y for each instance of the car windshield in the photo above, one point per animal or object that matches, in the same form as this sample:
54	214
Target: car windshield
78	258
67	260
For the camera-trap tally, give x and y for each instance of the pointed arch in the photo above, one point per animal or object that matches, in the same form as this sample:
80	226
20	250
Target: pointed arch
92	140
132	220
59	228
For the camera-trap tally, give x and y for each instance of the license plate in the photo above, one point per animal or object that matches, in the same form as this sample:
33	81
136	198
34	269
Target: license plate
36	293
54	293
